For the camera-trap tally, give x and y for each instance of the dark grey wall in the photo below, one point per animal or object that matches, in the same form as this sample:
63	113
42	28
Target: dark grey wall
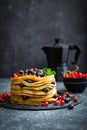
27	25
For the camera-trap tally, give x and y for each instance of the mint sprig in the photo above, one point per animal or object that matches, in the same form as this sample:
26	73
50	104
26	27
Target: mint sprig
49	71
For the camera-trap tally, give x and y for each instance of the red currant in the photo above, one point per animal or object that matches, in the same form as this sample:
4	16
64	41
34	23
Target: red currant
31	69
2	100
62	102
56	103
85	75
75	99
66	75
0	95
8	94
75	75
70	75
66	92
15	75
62	97
75	72
45	104
59	97
79	75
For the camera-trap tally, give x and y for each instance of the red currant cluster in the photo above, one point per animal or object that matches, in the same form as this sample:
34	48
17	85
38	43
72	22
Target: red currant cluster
4	97
62	100
74	74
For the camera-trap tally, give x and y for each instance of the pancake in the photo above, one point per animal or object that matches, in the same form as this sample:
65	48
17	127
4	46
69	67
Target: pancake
33	89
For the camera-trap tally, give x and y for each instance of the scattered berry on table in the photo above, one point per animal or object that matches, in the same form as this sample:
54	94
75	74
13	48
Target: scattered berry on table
45	104
71	106
67	100
62	97
75	99
59	97
56	103
66	92
4	97
62	102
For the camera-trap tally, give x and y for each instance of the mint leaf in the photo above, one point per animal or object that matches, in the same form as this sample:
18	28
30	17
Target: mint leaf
48	71
53	72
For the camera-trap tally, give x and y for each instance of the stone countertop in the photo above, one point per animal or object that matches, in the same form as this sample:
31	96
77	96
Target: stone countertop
60	119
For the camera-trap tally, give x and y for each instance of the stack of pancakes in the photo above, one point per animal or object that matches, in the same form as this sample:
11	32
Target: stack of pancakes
33	90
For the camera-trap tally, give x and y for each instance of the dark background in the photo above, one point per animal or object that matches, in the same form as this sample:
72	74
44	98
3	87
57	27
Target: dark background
27	25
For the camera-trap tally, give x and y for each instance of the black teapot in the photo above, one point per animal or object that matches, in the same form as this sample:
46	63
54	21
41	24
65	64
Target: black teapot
57	56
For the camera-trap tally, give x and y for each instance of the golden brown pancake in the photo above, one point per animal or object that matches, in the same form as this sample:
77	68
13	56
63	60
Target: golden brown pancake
36	92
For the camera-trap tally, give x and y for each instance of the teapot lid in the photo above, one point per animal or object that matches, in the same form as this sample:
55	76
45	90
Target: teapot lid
59	44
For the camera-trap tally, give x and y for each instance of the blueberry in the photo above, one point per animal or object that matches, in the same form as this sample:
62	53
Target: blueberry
22	85
71	95
21	72
53	83
25	97
55	96
34	72
35	69
28	71
71	106
67	100
46	89
42	75
39	73
29	81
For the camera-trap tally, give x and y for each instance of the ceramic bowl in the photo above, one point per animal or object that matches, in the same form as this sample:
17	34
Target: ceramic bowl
75	85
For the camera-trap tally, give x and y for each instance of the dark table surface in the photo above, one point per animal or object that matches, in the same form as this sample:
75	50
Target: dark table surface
60	119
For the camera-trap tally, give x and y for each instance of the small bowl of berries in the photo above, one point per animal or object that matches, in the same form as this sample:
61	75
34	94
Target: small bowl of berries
75	81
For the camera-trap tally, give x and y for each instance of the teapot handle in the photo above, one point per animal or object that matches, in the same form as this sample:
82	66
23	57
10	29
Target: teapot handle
78	50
